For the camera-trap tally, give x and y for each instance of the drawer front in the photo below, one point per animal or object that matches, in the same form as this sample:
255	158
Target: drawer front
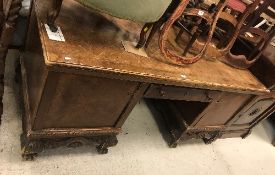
255	111
180	93
223	109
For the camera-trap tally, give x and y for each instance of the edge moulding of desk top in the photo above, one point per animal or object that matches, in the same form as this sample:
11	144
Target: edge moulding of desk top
94	45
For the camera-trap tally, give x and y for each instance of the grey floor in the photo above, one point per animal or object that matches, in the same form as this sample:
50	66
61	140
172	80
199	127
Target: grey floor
141	149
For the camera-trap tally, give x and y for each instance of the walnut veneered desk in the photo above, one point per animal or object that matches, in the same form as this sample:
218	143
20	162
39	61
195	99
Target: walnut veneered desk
82	90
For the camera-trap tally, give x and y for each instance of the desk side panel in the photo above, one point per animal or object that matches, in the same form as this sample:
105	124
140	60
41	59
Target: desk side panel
36	72
77	101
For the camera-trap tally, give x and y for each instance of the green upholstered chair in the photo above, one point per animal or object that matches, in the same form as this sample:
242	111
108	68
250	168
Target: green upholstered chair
145	11
136	10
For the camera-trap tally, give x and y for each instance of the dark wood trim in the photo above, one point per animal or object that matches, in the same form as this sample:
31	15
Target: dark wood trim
137	95
71	132
31	148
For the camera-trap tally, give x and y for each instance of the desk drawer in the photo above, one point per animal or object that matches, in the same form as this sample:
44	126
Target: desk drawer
259	108
180	93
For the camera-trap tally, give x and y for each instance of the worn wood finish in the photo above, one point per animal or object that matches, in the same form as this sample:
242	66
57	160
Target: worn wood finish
9	10
68	108
93	41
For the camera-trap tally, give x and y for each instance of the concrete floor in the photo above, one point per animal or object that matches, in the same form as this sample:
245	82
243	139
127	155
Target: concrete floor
141	149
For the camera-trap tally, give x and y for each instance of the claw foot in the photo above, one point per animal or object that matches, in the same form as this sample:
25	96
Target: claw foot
29	157
102	149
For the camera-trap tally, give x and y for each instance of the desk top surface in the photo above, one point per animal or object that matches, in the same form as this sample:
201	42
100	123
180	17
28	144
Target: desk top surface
94	44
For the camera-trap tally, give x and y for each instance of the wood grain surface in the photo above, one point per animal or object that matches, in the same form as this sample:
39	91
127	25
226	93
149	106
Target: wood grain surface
94	44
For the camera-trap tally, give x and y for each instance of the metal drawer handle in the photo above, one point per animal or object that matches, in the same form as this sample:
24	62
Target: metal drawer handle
162	92
254	112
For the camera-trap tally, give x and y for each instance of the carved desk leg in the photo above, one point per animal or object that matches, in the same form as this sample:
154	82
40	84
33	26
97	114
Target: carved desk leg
31	148
246	134
175	138
102	148
213	136
53	14
6	37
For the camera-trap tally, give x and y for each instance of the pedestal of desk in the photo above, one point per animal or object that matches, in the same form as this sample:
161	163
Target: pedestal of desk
63	109
81	91
206	114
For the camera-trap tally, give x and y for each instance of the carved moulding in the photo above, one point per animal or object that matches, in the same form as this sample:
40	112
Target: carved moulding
206	134
31	148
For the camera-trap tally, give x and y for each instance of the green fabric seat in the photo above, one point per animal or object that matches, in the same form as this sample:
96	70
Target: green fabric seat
136	10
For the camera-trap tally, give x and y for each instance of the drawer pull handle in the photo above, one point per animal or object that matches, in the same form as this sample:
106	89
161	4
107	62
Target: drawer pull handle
162	93
254	112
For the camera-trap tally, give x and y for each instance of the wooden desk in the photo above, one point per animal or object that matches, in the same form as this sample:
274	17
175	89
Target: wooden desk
82	90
